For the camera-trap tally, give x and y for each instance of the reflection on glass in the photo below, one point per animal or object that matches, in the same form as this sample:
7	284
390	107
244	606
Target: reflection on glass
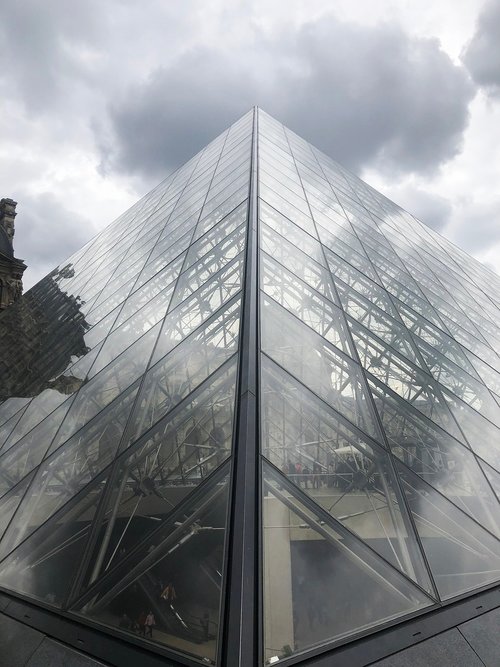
177	455
436	457
44	566
186	367
317	364
403	378
39	337
69	469
304	302
340	469
461	554
174	577
320	583
10	502
19	459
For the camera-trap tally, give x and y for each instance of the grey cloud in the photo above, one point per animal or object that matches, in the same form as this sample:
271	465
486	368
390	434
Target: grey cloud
39	48
364	95
482	54
162	122
46	233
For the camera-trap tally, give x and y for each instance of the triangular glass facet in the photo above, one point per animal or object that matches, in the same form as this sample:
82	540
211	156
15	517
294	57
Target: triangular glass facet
173	576
342	471
320	583
157	473
462	555
45	564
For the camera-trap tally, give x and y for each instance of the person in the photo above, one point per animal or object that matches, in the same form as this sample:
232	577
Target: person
298	473
125	622
316	475
149	624
141	622
168	594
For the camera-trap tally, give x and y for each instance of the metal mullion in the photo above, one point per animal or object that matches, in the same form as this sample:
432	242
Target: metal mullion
108	490
155	207
457	442
240	634
179	511
337	525
123	455
406	515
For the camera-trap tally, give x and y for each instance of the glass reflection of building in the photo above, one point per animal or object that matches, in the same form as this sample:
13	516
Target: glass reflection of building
264	402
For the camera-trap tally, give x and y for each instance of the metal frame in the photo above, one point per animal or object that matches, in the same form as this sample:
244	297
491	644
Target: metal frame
110	646
240	643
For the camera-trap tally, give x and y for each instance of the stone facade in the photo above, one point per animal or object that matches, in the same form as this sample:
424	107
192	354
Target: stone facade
11	268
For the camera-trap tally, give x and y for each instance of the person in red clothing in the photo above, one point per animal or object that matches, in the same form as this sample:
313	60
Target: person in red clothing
141	622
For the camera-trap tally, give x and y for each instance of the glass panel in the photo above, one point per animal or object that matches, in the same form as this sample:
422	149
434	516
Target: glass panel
217	234
212	262
493	477
64	474
464	386
10	502
324	370
399	375
177	455
435	337
181	371
232	209
461	554
297	262
341	470
8	426
199	307
303	302
364	297
299	216
320	583
37	410
12	406
293	234
107	385
168	589
159	284
133	329
436	457
44	567
27	453
383	327
482	436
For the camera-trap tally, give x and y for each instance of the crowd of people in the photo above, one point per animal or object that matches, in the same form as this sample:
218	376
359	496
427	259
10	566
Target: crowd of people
143	625
337	474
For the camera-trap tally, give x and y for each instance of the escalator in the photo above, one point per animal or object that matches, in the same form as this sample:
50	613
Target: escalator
168	618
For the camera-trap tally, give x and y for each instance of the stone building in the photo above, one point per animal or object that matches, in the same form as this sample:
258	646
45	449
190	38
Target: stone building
11	268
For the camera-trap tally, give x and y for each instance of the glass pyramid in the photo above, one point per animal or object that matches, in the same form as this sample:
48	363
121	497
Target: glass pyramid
258	415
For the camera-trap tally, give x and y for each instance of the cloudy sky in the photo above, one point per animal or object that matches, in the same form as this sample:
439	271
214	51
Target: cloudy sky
100	100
